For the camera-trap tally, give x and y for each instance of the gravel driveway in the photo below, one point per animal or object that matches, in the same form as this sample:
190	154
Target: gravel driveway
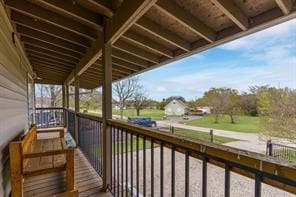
240	185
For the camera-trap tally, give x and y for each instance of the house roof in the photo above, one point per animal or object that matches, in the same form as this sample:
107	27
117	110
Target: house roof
181	103
65	38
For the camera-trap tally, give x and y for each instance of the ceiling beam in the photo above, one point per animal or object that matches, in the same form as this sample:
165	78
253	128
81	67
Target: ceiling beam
130	58
233	12
49	59
162	33
117	68
147	43
51	53
50	47
99	68
102	7
136	51
57	65
30	33
285	5
128	13
41	66
42	55
53	18
186	19
70	9
52	30
127	65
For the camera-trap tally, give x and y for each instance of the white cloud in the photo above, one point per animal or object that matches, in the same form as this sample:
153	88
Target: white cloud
161	89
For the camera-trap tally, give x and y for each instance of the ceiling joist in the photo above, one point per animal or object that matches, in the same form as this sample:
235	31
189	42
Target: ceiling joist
53	18
163	33
233	12
186	19
285	5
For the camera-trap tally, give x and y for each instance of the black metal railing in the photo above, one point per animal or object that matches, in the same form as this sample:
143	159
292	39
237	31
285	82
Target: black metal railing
49	117
281	151
91	140
135	171
70	114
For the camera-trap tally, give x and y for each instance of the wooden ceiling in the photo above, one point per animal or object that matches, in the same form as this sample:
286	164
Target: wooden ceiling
64	38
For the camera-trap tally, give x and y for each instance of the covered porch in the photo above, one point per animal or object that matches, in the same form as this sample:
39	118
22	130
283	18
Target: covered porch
90	44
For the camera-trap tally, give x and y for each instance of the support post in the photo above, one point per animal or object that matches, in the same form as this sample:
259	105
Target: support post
16	169
77	107
107	113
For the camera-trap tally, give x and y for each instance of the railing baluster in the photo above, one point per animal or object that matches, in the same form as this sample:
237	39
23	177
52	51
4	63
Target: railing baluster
204	177
126	163
187	174
144	166
152	168
227	181
117	155
257	185
132	163
173	172
161	169
137	170
121	152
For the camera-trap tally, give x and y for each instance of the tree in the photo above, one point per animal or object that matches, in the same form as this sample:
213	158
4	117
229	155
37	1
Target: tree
222	101
140	99
277	111
124	90
248	104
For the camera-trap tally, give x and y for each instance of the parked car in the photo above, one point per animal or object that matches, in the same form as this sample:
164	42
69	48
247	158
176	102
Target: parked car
142	121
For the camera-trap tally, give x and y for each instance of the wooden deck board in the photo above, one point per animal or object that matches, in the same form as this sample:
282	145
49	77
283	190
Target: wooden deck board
87	181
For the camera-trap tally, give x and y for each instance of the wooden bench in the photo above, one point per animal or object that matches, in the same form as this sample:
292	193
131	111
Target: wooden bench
32	157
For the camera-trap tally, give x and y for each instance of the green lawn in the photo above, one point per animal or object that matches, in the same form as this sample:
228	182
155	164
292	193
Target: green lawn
203	136
244	124
155	114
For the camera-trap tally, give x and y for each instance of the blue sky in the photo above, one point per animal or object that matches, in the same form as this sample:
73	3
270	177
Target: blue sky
266	57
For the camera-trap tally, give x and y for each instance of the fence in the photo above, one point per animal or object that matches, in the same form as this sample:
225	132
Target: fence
49	117
133	163
91	140
71	122
140	155
280	151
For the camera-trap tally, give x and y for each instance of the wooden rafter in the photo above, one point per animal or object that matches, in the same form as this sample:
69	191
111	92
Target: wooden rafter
37	43
50	53
128	13
49	58
128	65
49	29
163	33
57	65
147	43
185	18
130	58
233	12
53	18
45	56
30	33
100	6
136	51
71	10
285	5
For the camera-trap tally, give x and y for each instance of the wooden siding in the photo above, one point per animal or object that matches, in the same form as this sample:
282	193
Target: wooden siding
13	95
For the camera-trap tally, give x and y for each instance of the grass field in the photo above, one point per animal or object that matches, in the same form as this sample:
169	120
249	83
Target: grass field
244	124
155	114
202	136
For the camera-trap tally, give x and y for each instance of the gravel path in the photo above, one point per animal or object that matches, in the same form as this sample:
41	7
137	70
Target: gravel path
240	185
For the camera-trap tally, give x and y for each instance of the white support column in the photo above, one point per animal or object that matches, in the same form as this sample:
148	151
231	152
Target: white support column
107	113
77	107
64	104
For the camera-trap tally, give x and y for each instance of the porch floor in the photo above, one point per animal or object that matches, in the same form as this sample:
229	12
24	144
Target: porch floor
87	181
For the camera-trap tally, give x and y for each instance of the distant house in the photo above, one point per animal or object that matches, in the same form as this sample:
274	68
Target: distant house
176	108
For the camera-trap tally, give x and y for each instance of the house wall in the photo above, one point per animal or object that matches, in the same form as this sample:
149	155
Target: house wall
176	109
14	71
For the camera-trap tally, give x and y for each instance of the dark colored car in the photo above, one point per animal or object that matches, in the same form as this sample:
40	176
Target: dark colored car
142	121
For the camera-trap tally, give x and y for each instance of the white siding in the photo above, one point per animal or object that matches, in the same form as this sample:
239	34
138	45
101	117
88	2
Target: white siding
13	96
